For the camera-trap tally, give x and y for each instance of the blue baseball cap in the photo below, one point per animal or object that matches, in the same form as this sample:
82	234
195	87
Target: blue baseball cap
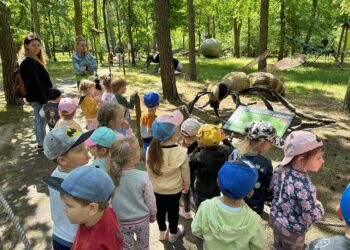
163	130
151	99
345	205
102	136
89	183
236	179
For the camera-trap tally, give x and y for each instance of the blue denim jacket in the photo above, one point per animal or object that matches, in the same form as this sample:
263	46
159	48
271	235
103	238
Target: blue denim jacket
86	60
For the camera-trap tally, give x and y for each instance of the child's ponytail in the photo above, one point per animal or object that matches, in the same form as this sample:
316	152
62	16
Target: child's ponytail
155	157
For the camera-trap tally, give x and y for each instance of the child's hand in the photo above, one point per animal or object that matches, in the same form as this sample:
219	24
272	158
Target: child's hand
184	190
125	124
152	218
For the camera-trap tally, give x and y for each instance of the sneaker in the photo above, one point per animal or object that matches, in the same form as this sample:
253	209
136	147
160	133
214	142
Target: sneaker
184	214
174	237
163	235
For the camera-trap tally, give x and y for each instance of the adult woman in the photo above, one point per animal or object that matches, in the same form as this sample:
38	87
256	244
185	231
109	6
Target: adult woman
83	62
38	81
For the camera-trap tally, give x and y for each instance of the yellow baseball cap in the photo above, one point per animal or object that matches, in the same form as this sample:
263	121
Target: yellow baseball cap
210	135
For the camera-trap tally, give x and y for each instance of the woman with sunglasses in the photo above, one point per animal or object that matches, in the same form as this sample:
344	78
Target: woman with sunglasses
83	62
37	79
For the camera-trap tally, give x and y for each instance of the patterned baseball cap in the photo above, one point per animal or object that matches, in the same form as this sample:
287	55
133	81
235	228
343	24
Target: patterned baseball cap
263	130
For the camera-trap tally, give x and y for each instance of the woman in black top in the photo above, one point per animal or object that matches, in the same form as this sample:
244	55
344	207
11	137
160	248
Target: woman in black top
38	82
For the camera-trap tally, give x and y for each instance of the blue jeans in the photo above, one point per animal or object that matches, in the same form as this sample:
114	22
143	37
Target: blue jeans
39	123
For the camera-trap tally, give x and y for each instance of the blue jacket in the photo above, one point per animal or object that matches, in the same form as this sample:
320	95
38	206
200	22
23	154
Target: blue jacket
86	60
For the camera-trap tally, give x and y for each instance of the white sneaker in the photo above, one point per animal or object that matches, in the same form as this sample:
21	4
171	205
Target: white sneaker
184	214
174	237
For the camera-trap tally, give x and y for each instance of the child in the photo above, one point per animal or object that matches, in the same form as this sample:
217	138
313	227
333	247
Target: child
134	198
107	90
67	108
110	58
50	109
226	222
167	167
294	205
260	136
97	94
151	100
86	193
207	160
189	130
88	104
64	145
337	242
110	115
119	88
99	143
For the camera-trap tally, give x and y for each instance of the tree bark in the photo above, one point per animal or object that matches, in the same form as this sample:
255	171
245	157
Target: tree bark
161	10
191	39
213	26
282	31
95	14
312	21
344	47
208	27
78	18
36	18
346	103
8	55
264	29
111	25
105	24
236	25
249	36
129	30
52	36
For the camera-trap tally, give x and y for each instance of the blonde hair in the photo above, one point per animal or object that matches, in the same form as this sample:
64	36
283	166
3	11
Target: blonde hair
85	85
117	83
155	157
247	146
122	152
79	39
24	52
106	113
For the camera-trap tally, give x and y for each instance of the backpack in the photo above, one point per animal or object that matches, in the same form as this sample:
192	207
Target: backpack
19	87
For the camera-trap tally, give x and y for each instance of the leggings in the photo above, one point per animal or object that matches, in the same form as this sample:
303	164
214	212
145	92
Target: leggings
168	204
285	239
142	235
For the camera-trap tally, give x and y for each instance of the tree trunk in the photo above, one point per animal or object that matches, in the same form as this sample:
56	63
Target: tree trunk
47	48
52	36
191	39
105	24
237	25
95	14
129	30
213	26
344	47
111	26
78	18
8	55
249	36
161	10
36	18
312	21
339	45
264	29
346	104
282	31
208	27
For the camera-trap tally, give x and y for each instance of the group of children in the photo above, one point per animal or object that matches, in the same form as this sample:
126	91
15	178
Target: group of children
112	201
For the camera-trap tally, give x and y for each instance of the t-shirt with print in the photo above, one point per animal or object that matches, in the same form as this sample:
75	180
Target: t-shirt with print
105	234
51	114
294	203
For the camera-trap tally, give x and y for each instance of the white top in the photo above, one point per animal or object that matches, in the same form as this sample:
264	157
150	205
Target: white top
62	228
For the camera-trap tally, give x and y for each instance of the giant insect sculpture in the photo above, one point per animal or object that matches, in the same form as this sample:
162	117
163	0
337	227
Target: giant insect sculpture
266	86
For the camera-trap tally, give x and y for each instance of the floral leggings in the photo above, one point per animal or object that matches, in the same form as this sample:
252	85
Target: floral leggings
142	235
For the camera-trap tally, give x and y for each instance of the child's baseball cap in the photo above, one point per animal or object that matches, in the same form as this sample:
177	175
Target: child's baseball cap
89	183
102	136
60	140
237	179
68	105
299	142
263	130
190	127
54	93
163	130
175	118
210	135
151	99
345	205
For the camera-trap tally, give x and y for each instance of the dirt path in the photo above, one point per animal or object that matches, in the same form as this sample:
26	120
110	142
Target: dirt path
22	167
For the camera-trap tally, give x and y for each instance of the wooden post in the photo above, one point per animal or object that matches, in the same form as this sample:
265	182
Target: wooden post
138	116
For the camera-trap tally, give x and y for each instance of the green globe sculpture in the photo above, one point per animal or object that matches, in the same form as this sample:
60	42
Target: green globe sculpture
211	48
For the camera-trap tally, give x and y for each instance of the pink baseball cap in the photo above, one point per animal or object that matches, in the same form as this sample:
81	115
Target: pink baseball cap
68	105
175	118
299	142
190	127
